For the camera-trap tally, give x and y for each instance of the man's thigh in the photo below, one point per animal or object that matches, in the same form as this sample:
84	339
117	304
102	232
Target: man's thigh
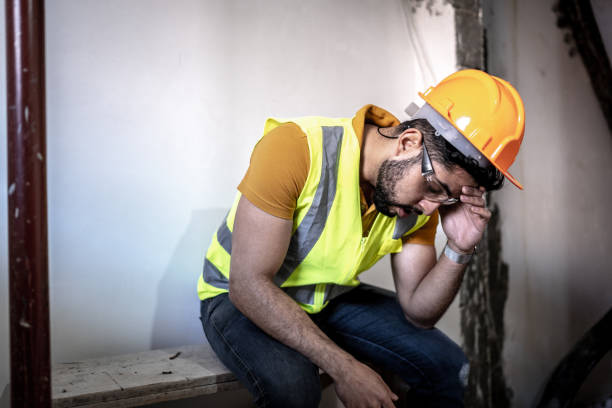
275	374
368	323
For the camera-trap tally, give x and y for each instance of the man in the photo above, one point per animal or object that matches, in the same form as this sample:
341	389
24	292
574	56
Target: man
323	200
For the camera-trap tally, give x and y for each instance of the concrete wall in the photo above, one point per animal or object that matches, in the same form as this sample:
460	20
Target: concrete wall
555	233
153	108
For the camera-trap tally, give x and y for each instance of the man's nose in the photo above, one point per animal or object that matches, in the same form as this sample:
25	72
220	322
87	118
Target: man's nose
429	206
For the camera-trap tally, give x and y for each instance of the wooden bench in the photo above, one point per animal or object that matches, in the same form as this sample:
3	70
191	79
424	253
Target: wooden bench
133	380
149	377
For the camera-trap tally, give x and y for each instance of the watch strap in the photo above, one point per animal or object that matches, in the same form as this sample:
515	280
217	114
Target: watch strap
456	256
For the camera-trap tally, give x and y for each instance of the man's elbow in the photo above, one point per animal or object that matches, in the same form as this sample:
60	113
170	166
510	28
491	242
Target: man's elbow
420	322
243	291
235	291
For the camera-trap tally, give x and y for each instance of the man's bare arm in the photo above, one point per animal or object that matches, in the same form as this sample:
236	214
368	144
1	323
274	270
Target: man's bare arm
259	245
425	288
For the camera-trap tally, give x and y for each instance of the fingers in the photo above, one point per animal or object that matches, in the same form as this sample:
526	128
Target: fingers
475	191
364	387
482	211
474	196
476	201
388	402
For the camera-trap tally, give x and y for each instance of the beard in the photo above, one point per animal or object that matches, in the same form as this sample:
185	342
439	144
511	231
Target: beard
389	174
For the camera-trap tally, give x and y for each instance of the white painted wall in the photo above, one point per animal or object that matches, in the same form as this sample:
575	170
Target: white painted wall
152	110
555	233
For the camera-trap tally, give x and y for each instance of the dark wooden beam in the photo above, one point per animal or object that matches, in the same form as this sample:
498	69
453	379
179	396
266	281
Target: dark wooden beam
27	204
577	17
570	373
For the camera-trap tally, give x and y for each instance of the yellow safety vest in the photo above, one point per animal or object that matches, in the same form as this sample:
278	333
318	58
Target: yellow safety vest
327	250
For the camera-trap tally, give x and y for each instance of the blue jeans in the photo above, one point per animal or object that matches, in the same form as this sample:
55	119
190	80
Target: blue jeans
367	322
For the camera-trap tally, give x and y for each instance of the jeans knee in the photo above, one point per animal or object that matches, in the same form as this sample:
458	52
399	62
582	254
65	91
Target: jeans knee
444	373
453	375
455	368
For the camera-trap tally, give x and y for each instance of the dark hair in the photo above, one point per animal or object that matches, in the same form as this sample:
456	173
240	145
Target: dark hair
444	153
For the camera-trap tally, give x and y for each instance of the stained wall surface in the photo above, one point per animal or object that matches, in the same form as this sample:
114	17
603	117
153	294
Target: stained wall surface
153	108
556	233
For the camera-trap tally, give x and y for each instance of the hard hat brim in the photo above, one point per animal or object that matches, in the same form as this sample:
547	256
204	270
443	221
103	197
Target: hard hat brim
511	178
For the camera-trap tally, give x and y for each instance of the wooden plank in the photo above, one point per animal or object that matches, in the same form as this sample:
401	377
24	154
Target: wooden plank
149	376
160	397
71	389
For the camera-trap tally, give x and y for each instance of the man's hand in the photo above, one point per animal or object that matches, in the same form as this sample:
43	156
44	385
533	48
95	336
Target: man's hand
465	222
360	386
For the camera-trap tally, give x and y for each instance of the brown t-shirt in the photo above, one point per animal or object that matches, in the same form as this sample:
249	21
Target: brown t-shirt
279	167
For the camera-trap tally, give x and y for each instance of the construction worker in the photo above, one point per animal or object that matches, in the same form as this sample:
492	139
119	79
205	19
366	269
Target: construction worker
322	201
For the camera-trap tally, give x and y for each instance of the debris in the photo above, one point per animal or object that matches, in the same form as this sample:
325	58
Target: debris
178	353
166	372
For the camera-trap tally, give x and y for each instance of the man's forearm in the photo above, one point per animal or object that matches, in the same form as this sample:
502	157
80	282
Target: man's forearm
425	304
280	317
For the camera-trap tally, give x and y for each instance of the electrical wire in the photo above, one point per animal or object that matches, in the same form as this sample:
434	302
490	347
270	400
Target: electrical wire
424	63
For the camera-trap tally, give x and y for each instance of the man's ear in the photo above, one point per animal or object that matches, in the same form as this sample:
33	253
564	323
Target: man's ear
408	141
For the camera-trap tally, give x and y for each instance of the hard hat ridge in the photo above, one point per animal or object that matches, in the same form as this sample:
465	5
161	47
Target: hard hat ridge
453	136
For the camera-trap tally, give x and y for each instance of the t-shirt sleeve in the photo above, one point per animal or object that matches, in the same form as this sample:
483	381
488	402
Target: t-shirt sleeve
426	235
278	170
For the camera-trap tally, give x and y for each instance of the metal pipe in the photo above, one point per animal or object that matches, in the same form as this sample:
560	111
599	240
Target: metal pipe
27	205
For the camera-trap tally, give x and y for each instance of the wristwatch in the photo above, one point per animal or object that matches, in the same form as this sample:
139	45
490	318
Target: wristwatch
456	256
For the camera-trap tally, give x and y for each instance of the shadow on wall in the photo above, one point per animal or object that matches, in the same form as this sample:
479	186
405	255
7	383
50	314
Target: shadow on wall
176	319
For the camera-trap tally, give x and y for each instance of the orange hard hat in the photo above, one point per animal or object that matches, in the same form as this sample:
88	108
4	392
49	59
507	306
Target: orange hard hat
486	113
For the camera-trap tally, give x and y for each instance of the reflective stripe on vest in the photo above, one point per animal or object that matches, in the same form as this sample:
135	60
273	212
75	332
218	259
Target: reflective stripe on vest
213	276
303	294
308	232
224	236
403	225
